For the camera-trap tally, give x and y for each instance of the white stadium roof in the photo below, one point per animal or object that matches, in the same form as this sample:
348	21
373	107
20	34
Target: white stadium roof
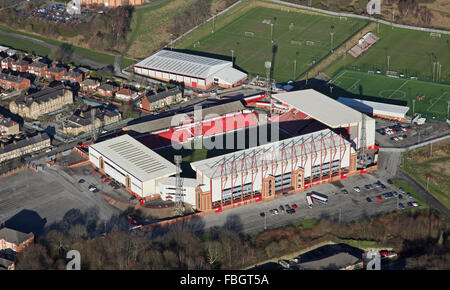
212	167
184	64
135	158
320	107
375	107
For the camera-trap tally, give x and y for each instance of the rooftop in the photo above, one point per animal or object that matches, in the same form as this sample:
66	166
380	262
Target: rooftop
11	78
320	107
184	63
24	142
374	107
135	158
13	236
152	97
43	95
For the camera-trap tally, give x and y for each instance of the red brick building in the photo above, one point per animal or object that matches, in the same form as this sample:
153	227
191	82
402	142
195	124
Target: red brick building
13	82
73	76
7	62
14	240
38	68
107	90
20	66
56	73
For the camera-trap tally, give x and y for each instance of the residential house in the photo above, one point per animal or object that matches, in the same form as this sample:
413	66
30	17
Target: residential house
158	100
107	90
13	82
82	122
20	66
126	95
22	147
8	126
38	68
73	77
45	101
89	85
7	62
14	240
56	73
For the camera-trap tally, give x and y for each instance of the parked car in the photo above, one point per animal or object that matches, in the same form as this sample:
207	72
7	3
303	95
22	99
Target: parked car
281	208
368	186
262	214
357	189
401	190
132	197
395	193
379	197
345	191
415	204
287	206
294	206
400	205
390	181
290	211
400	196
409	195
81	180
369	199
409	203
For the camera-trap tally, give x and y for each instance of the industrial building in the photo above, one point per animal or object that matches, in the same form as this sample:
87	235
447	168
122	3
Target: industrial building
377	109
192	70
132	164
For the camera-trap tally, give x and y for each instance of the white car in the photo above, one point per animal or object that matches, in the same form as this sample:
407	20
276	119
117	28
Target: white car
357	189
415	204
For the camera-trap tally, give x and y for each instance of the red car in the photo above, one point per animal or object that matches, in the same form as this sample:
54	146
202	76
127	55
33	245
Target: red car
294	206
94	172
103	177
106	180
379	197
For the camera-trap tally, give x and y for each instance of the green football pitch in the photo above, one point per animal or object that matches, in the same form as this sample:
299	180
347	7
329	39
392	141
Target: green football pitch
380	87
300	40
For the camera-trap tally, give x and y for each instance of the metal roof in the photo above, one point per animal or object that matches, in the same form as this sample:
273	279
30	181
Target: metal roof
320	107
375	107
230	75
269	153
135	158
184	63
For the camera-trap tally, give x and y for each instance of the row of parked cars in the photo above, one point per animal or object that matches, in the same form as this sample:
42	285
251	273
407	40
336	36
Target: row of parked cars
391	130
290	209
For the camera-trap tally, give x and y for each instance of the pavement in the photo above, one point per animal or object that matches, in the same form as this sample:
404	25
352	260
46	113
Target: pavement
49	195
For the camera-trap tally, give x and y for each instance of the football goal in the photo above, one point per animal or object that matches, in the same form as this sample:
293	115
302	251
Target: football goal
249	34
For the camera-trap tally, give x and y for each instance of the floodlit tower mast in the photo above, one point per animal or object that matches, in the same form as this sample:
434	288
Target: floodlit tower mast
363	143
179	200
268	65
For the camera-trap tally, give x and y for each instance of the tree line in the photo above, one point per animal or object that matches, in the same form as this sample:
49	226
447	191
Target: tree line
113	246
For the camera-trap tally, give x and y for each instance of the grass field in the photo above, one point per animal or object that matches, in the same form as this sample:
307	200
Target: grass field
419	164
412	52
251	52
380	87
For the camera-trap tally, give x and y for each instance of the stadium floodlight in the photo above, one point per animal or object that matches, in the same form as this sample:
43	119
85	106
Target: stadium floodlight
388	58
331	36
268	65
232	57
271	32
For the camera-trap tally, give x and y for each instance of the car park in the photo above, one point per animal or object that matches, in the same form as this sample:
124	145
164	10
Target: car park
357	189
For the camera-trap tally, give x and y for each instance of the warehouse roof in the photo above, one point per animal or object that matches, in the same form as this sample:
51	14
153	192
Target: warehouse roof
230	75
184	63
375	107
212	167
135	158
320	107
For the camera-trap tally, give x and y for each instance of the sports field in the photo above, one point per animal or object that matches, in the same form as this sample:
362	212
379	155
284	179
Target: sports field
409	51
355	84
297	38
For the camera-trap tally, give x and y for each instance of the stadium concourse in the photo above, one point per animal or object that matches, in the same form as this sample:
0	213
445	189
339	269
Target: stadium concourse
322	143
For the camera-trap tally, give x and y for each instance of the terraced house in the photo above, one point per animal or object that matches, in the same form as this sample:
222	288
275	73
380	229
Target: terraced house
82	122
158	100
8	126
26	146
43	102
13	82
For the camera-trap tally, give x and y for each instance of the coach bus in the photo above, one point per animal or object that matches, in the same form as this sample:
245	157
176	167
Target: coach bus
309	200
320	197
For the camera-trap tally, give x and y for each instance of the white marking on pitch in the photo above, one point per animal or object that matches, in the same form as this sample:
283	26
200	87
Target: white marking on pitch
398	89
436	103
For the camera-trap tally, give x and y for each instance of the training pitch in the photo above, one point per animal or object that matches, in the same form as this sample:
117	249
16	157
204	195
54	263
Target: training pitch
299	40
431	98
